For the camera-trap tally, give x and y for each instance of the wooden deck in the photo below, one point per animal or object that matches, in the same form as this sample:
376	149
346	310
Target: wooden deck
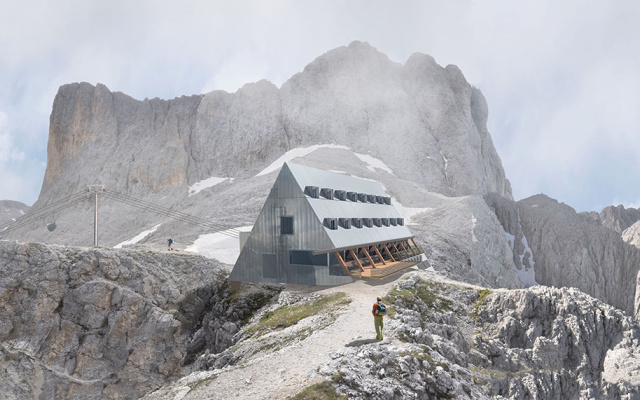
371	263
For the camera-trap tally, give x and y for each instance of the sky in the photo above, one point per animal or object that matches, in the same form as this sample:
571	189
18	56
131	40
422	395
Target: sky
562	79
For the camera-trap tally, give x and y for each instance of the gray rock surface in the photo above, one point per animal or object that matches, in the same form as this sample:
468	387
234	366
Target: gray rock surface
538	343
425	122
84	323
631	235
11	210
573	250
618	218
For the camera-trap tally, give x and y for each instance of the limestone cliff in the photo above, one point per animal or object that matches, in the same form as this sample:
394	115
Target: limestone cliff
424	121
573	250
96	323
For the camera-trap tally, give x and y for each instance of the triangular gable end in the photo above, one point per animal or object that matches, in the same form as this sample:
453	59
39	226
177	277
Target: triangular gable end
281	244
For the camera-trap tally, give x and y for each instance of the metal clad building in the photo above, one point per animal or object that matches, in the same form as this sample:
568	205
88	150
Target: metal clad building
323	228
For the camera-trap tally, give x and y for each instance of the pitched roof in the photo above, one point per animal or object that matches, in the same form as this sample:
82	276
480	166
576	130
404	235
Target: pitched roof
335	208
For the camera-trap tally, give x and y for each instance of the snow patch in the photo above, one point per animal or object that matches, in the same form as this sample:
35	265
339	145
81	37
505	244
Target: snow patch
204	184
474	222
22	212
407	212
219	245
373	163
297	153
527	275
137	238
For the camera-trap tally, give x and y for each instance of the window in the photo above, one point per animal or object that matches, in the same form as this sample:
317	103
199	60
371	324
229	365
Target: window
371	198
311	191
352	196
393	221
331	223
269	266
377	222
385	221
286	225
357	222
345	222
387	200
400	221
380	199
367	222
362	197
304	257
327	193
340	195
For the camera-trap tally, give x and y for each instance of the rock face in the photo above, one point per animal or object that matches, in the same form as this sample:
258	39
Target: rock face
571	249
96	323
618	218
537	343
11	210
422	120
631	235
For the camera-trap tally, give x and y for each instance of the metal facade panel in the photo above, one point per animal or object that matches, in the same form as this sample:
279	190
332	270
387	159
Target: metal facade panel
307	176
287	199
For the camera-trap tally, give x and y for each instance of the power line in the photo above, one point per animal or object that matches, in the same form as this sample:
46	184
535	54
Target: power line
76	198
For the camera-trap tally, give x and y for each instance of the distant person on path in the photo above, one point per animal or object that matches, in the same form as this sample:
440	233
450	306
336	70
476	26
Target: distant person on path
169	244
379	311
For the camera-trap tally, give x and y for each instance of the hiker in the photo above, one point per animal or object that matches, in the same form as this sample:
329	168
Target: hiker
379	311
169	244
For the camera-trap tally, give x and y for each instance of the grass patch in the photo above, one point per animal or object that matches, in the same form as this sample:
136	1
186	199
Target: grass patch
425	292
320	391
482	295
288	315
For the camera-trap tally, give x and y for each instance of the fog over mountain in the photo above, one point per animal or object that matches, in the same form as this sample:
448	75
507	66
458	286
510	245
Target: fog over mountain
418	128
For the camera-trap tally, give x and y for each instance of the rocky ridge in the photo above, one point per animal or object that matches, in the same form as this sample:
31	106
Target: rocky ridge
107	324
11	210
448	340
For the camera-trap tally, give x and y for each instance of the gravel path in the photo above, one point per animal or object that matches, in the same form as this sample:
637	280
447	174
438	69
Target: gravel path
284	373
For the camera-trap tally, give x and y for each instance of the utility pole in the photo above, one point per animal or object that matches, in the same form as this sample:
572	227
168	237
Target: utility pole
95	189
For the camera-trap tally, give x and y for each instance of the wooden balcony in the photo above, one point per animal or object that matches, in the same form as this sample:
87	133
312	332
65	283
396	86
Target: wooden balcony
380	261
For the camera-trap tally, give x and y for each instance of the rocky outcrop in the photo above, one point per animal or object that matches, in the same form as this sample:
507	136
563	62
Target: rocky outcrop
97	323
618	218
536	343
567	249
631	235
11	210
572	250
422	120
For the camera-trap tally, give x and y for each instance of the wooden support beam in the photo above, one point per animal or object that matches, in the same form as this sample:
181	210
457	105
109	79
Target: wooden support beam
395	247
355	257
379	255
413	252
414	243
366	253
342	264
402	245
389	253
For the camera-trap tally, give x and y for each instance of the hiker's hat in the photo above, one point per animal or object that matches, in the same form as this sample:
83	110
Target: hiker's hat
379	299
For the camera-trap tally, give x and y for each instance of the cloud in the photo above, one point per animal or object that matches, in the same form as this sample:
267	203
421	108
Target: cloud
8	152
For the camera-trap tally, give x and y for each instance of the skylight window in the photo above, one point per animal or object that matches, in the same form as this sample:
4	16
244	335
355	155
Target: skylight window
331	223
312	191
352	196
327	193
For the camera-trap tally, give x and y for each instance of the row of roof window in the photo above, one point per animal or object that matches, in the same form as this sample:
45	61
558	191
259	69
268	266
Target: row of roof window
347	223
328	193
